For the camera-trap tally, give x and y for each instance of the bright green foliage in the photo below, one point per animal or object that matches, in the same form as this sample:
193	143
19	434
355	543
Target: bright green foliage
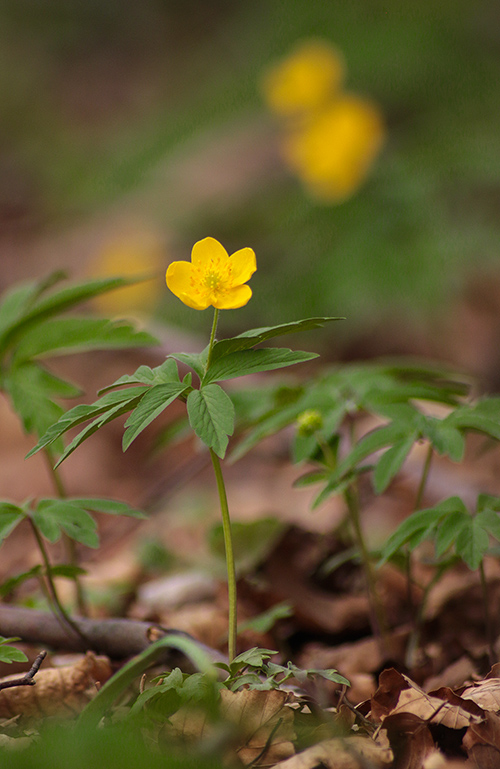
210	410
10	653
253	669
450	525
31	330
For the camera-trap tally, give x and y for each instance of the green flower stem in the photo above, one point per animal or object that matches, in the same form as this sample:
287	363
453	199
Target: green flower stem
64	616
212	338
228	544
378	621
69	543
488	624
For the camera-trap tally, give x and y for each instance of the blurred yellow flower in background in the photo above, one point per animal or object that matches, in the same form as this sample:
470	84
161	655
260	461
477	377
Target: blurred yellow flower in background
334	151
331	138
305	80
137	253
213	278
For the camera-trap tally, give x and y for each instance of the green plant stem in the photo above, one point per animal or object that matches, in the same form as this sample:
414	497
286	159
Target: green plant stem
378	622
228	544
69	543
60	610
417	616
425	476
212	338
488	625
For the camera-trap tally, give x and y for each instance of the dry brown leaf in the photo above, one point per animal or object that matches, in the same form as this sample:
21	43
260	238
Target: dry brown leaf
263	722
399	694
60	691
482	741
410	739
354	752
486	694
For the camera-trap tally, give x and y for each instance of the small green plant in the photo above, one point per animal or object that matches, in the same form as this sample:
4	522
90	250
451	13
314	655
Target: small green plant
36	324
212	278
325	412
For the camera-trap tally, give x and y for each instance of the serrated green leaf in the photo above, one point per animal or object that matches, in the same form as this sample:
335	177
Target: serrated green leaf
372	442
55	515
64	335
10	516
196	361
449	529
445	438
472	543
420	524
256	336
45	307
109	506
489	520
211	415
309	479
152	404
32	389
167	372
245	362
109	404
391	462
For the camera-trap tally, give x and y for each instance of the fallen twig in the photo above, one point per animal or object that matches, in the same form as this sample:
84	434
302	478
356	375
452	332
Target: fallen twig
29	678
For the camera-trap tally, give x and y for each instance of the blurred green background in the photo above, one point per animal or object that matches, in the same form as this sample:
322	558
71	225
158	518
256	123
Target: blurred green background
151	112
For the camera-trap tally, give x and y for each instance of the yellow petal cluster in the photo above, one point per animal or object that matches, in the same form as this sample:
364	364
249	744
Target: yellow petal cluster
213	278
331	138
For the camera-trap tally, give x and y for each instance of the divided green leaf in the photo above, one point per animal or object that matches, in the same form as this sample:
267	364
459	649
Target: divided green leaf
211	415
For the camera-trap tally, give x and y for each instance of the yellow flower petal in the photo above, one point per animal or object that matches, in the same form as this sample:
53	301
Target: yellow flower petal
212	277
206	251
235	298
308	78
333	153
243	265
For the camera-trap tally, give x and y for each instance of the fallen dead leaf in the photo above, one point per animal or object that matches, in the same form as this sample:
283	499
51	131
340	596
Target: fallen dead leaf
482	741
60	691
399	694
354	752
264	725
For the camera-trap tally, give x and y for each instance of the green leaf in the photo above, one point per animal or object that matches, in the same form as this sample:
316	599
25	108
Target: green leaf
258	335
264	622
417	527
67	570
10	585
151	405
211	415
47	306
449	529
32	389
472	543
167	372
10	516
10	653
490	521
109	506
445	438
53	515
108	407
196	361
245	362
64	335
391	462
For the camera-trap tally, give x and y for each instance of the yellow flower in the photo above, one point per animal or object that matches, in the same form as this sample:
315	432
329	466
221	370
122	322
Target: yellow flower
213	277
333	152
306	80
